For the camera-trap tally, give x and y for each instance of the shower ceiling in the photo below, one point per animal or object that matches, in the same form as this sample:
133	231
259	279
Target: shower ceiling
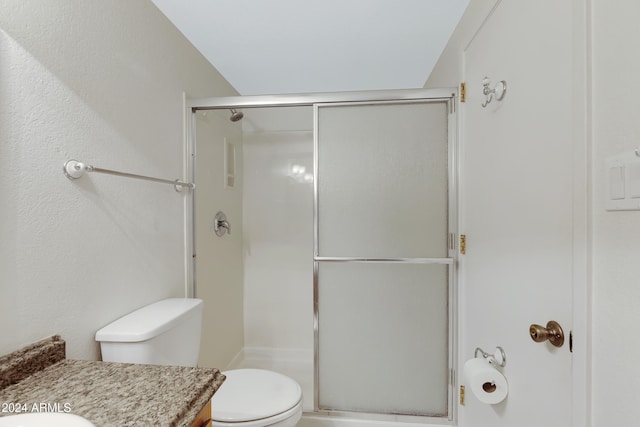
301	46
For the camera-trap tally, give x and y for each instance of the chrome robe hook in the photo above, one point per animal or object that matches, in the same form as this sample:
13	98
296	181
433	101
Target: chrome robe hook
499	91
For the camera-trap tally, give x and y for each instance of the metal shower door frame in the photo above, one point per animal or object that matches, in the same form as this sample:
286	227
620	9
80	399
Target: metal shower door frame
450	260
445	95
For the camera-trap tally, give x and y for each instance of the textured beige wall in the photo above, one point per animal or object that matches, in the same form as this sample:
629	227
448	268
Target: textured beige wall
102	82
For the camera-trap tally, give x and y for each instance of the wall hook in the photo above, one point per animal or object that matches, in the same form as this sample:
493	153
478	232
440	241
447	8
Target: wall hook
498	91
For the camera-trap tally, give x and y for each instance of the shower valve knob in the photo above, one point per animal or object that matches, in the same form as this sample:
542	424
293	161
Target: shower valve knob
221	225
553	332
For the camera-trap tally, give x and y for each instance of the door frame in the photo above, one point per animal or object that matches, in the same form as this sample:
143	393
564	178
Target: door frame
582	215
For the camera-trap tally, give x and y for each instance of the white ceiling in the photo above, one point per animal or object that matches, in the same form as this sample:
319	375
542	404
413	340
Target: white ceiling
302	46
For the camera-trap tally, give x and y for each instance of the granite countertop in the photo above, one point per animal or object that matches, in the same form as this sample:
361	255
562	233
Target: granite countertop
112	394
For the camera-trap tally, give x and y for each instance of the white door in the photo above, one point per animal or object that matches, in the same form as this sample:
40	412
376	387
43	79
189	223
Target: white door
517	210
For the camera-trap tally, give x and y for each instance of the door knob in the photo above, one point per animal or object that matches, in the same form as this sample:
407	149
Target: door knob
553	332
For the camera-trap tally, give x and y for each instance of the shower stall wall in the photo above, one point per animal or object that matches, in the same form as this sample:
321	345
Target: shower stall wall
278	246
375	289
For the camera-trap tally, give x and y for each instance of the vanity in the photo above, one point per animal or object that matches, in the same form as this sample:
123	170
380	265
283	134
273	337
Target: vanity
39	378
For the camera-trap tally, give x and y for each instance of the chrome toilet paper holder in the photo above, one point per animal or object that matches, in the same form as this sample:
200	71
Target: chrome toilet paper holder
498	358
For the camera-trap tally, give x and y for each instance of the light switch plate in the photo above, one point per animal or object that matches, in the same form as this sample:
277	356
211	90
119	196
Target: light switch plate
623	182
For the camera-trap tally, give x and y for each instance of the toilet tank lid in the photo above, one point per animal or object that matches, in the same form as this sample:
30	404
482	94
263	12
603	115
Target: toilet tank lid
149	321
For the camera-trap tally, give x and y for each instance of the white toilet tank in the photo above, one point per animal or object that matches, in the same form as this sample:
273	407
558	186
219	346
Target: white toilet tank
163	333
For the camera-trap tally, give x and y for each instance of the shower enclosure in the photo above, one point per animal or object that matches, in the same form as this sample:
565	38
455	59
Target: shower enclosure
382	248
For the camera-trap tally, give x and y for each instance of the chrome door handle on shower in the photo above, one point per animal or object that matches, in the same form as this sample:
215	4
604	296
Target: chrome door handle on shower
221	225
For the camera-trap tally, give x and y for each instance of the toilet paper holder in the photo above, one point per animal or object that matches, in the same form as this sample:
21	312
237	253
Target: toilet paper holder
498	358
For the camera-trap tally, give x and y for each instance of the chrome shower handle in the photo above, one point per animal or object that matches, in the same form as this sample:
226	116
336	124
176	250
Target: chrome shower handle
225	224
221	225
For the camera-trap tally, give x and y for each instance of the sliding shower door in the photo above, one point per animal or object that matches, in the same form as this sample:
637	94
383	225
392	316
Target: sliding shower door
383	266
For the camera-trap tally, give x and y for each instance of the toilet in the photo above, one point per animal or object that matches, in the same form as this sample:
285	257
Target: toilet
168	333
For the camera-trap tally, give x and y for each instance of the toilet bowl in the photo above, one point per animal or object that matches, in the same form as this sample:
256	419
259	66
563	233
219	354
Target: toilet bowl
256	398
168	333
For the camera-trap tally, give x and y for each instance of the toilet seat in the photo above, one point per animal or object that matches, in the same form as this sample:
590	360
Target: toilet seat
255	397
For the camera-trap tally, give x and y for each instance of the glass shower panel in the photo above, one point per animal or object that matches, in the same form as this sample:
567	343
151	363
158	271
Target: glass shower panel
383	338
383	180
382	259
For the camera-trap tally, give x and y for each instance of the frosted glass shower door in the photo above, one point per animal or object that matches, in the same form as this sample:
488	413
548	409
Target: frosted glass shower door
383	266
